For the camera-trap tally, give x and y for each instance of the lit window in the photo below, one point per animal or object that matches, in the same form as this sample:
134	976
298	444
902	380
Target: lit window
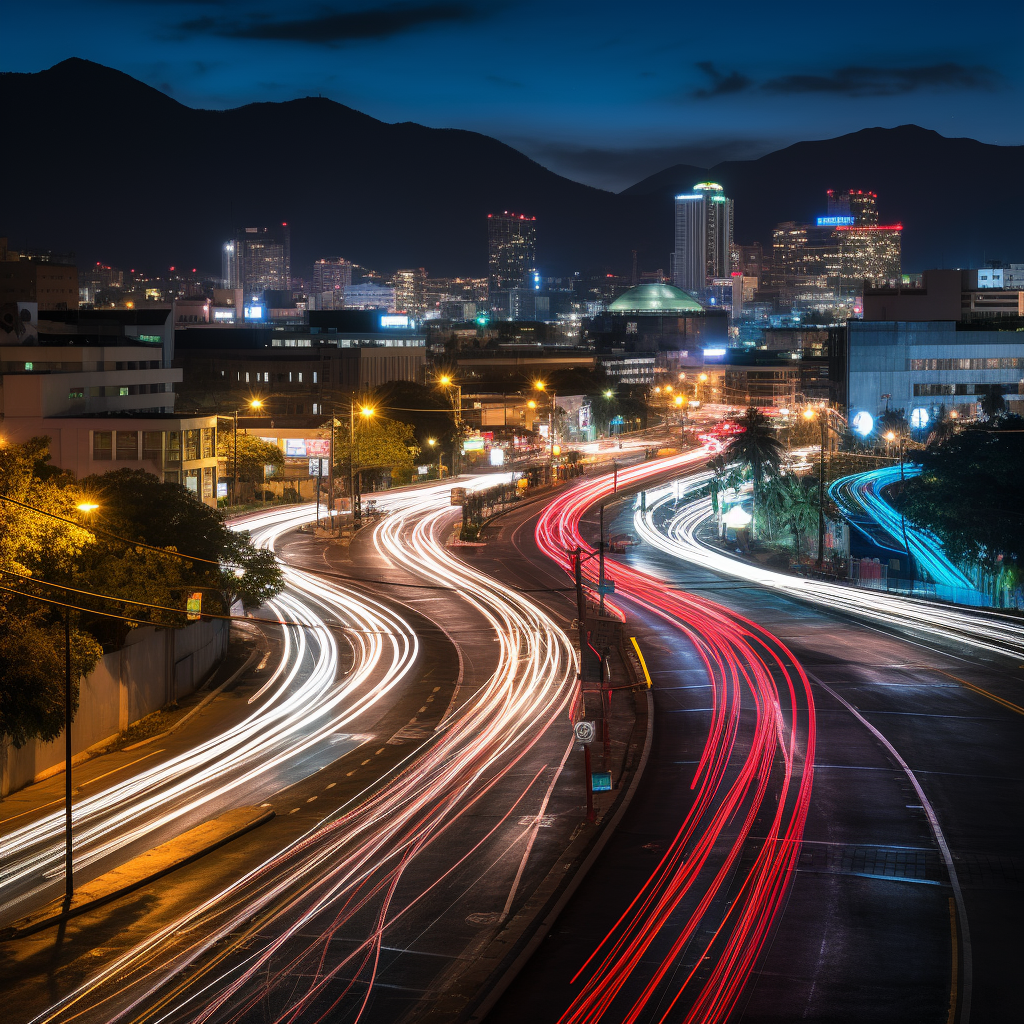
122	390
246	376
266	378
289	376
314	377
300	376
29	366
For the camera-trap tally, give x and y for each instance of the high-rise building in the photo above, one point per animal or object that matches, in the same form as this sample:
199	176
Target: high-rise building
258	259
410	290
855	203
511	255
703	233
331	276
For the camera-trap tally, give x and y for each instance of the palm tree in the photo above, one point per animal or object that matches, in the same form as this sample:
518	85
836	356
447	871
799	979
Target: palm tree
757	448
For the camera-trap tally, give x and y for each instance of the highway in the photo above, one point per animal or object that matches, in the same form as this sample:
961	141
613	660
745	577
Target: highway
297	721
906	885
330	920
860	496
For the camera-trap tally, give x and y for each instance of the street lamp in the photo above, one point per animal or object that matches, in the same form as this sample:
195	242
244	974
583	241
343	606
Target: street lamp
432	441
255	404
365	411
446	382
539	385
86	508
890	436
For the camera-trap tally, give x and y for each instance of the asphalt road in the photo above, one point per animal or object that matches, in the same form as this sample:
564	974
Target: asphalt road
866	933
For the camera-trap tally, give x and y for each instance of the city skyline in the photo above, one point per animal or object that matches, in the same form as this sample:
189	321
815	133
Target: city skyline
601	98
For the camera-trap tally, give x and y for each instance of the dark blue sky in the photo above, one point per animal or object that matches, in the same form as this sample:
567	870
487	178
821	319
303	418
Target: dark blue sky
603	92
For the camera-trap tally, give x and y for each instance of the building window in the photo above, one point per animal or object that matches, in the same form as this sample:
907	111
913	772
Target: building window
316	409
207	438
246	376
289	376
122	391
30	366
127	445
266	378
174	447
315	377
300	376
191	445
76	393
207	481
152	445
101	441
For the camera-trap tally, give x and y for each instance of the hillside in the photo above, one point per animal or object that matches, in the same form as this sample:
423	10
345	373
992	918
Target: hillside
144	180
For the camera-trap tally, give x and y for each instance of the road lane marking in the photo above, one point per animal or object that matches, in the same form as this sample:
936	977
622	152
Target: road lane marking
983	692
940	839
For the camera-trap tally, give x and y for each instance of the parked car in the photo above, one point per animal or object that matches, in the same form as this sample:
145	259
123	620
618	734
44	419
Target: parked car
621	542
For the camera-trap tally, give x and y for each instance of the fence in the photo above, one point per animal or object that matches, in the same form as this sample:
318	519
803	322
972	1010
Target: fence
992	591
154	668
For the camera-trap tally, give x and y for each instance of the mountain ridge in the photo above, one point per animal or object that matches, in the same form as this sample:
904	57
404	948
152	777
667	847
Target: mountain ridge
168	183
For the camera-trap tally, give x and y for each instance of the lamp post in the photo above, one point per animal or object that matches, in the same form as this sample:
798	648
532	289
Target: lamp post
809	415
366	411
446	382
255	404
87	508
892	436
432	441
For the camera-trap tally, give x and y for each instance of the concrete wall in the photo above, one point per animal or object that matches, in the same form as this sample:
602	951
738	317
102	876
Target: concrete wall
155	667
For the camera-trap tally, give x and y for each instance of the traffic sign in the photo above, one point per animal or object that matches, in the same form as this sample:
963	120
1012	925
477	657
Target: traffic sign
600	782
584	732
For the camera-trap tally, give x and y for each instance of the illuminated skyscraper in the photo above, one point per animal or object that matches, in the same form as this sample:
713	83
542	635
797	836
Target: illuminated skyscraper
263	259
861	206
511	255
410	290
704	224
229	265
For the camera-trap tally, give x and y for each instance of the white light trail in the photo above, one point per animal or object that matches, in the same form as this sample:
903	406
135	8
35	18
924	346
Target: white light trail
983	630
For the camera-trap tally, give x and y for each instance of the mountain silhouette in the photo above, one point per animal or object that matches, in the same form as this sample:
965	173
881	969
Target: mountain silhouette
145	181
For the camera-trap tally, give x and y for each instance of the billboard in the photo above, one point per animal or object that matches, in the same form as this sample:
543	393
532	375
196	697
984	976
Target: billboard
394	320
318	446
835	222
255	312
294	447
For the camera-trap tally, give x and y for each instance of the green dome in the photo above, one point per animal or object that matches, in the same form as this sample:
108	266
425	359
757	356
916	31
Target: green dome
655	298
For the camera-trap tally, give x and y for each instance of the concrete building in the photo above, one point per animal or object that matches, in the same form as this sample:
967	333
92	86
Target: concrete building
51	282
99	384
257	259
925	365
511	258
944	295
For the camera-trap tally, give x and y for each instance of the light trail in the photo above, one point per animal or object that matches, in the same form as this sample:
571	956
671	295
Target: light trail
645	964
982	630
301	708
863	491
270	939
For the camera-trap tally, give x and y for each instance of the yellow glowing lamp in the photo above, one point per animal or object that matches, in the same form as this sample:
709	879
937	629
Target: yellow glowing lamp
87	506
539	385
890	436
556	449
532	404
445	380
679	401
366	411
808	414
431	441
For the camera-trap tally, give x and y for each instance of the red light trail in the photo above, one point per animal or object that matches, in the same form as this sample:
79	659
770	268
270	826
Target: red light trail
737	782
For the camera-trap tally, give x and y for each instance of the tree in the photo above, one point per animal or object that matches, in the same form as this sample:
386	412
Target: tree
970	494
757	448
894	420
792	502
253	454
380	443
992	403
32	632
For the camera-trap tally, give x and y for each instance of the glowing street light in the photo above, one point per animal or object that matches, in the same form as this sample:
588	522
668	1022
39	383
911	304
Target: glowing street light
87	507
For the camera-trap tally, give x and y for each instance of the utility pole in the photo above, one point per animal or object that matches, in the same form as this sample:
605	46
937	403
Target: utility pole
600	550
234	454
69	879
821	491
351	457
330	470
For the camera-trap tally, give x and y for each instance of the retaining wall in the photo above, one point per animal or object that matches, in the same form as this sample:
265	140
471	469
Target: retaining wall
154	668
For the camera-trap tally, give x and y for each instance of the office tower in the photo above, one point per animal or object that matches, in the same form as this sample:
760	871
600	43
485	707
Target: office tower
511	253
263	259
861	206
410	290
870	252
703	230
331	274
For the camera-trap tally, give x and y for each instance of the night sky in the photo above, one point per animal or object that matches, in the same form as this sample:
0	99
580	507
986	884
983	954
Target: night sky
603	92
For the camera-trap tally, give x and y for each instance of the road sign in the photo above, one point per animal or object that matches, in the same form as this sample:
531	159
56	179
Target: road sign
600	782
584	732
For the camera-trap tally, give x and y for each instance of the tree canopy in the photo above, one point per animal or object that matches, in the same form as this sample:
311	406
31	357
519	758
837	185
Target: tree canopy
970	493
757	447
380	443
102	556
253	454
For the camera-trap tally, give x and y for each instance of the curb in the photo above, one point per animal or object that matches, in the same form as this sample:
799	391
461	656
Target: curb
19	932
496	984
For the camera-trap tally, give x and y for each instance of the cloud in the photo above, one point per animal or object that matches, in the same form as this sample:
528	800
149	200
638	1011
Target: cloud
721	84
334	26
864	81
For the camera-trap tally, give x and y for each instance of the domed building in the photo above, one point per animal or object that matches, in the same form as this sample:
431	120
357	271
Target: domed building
669	326
655	298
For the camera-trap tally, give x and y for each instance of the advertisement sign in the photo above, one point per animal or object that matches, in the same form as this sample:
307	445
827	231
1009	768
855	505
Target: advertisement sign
584	417
318	467
497	456
394	320
222	489
295	447
254	312
318	446
473	444
194	605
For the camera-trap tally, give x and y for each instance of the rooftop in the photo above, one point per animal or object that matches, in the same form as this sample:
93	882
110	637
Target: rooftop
655	298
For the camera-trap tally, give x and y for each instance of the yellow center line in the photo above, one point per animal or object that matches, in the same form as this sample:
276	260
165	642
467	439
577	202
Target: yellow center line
643	664
983	692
